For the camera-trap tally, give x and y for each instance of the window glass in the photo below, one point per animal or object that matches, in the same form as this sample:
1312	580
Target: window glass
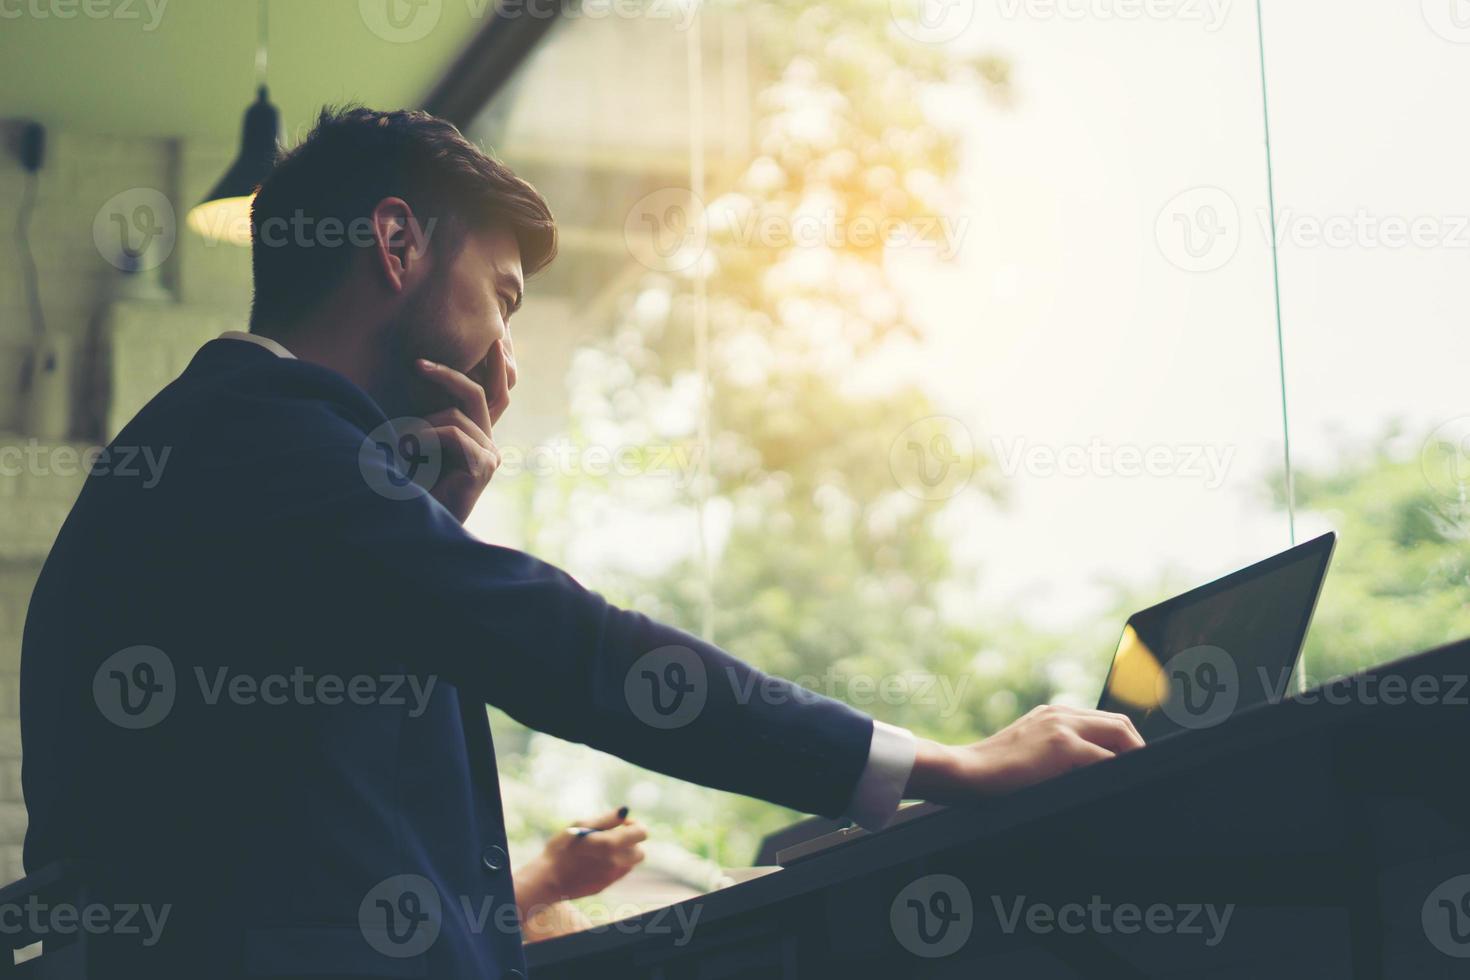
1374	230
903	352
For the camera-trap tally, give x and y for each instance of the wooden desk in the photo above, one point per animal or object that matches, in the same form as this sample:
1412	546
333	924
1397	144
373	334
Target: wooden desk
1327	834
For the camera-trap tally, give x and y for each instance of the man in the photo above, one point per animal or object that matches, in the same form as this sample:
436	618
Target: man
253	690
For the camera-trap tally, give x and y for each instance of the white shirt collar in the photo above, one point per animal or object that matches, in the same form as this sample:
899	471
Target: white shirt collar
255	338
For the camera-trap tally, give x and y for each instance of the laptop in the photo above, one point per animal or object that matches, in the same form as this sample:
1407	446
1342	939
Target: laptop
1188	663
1195	660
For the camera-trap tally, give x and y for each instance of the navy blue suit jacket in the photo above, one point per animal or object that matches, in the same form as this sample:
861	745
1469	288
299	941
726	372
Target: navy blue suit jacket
339	831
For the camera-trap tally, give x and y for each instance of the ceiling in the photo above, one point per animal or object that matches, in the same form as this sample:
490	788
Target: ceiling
187	67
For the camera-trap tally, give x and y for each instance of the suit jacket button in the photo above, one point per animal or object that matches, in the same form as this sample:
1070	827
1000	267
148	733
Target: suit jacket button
493	858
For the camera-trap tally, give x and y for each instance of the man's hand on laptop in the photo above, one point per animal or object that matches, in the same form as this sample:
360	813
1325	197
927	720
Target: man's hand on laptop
464	428
1046	742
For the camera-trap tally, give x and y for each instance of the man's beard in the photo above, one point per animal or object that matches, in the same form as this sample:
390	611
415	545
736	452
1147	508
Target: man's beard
417	331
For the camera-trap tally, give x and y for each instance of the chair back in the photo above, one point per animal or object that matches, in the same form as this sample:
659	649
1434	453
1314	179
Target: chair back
63	954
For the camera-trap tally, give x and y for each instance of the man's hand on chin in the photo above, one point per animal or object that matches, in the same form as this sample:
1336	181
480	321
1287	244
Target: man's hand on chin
465	428
1046	742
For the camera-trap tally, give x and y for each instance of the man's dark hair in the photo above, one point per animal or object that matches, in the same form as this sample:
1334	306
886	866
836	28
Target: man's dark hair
311	214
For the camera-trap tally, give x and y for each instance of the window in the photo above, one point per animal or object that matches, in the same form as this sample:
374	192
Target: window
906	356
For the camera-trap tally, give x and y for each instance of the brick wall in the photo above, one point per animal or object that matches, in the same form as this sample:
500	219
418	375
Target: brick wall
88	192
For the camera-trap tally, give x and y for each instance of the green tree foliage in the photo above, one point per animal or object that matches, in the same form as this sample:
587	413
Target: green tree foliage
824	568
1400	580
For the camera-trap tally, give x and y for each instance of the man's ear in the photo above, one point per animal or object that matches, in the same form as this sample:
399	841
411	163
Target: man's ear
400	246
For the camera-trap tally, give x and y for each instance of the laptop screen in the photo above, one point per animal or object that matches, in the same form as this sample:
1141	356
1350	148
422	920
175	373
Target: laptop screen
1201	657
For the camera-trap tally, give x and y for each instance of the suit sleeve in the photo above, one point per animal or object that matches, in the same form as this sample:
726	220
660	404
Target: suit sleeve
527	638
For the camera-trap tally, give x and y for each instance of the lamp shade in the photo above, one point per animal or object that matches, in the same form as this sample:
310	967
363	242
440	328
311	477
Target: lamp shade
224	214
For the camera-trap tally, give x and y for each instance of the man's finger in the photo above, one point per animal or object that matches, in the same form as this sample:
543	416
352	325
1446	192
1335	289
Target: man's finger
462	390
1084	753
1123	722
606	821
627	835
1131	727
454	418
1112	732
462	451
512	369
498	381
1094	712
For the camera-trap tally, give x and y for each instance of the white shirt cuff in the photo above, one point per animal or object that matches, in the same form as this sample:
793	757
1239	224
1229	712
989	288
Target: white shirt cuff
880	787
